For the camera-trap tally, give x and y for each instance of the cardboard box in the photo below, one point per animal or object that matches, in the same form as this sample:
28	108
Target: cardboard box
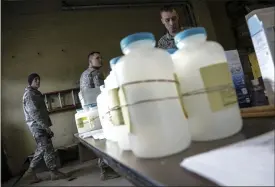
262	30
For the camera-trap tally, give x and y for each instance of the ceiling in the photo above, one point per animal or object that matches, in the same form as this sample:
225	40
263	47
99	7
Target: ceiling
27	6
93	2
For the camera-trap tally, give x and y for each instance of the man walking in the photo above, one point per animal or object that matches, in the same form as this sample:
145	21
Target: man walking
39	122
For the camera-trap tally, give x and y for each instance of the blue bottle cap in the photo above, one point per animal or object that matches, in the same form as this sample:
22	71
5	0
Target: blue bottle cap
189	32
171	51
113	61
92	105
136	37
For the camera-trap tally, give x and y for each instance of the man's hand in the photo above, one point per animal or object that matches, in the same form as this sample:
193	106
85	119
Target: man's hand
50	132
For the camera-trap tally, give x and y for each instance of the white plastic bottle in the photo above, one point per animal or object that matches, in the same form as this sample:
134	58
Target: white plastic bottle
121	130
82	121
102	104
93	117
110	134
157	123
113	117
115	112
206	83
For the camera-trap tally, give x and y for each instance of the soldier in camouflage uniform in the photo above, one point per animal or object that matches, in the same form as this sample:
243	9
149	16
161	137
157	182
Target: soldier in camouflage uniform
39	122
92	78
170	19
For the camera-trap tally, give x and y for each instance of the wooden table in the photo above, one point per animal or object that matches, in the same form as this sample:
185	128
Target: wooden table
167	171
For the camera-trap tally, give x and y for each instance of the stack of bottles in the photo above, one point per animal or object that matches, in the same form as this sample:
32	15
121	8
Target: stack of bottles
155	102
87	119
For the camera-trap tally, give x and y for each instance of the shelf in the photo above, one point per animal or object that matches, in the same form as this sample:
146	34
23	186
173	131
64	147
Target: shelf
258	111
65	108
62	100
61	91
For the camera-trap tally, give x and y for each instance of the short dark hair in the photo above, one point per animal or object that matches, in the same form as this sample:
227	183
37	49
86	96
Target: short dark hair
92	53
31	77
167	8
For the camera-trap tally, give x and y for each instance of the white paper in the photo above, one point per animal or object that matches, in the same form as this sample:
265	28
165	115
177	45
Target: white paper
96	134
248	163
266	63
263	54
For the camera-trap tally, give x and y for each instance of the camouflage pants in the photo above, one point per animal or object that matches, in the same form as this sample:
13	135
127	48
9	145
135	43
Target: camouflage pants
44	151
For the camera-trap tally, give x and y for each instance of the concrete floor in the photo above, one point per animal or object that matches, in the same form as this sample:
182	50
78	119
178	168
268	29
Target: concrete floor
87	174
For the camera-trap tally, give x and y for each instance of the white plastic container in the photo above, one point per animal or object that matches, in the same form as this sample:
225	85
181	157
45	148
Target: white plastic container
123	138
109	129
121	130
157	128
93	116
115	112
87	120
201	64
103	111
82	121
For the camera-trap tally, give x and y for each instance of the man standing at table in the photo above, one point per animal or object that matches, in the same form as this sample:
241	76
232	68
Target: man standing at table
92	77
170	19
39	122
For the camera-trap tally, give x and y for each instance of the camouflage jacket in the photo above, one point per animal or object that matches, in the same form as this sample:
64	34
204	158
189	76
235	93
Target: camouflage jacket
167	41
91	78
36	113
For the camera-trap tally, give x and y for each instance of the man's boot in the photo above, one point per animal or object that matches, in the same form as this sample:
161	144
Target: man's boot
108	173
56	175
29	177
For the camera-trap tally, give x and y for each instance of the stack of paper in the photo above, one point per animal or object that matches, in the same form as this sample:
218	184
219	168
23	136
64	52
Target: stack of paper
96	134
248	163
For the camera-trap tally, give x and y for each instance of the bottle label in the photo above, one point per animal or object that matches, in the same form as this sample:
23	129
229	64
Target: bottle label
92	121
124	108
179	95
114	105
218	86
81	122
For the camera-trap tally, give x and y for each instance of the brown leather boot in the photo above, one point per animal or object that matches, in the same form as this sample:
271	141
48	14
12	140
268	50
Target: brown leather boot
29	177
56	175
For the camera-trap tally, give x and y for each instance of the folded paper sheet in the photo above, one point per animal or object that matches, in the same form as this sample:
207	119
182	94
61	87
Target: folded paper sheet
96	134
247	163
